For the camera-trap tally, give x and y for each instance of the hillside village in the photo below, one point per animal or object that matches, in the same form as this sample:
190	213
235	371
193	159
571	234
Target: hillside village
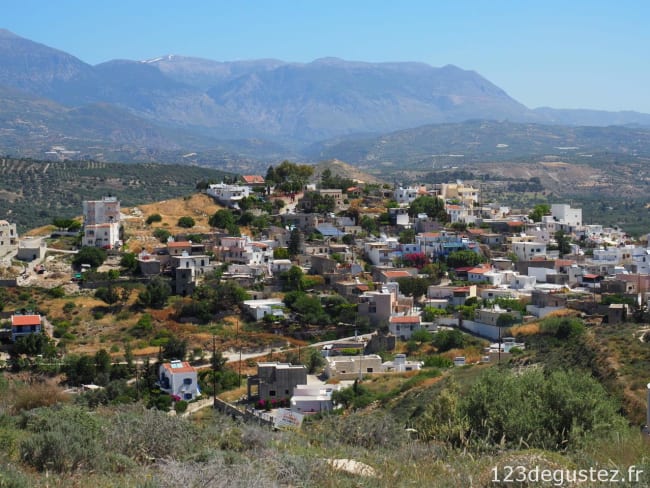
281	295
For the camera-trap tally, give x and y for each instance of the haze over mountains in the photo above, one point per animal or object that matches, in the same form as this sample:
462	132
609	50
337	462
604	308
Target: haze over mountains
164	108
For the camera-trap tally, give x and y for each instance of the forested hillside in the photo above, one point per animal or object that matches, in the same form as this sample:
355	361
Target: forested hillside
34	192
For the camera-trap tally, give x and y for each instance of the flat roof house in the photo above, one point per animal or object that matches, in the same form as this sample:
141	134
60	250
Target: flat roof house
275	381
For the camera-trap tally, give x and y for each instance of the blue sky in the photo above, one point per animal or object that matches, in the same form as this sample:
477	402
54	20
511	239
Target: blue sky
563	54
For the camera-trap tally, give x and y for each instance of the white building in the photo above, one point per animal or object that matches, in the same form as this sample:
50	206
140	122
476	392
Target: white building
281	265
352	367
228	194
403	327
405	196
310	399
180	379
8	237
564	214
101	223
523	282
268	306
242	250
31	248
525	251
400	364
105	235
101	211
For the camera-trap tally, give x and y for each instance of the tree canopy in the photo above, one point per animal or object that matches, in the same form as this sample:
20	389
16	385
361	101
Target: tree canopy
289	177
434	207
94	256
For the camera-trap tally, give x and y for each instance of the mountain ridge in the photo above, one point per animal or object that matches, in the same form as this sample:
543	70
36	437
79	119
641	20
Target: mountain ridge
291	104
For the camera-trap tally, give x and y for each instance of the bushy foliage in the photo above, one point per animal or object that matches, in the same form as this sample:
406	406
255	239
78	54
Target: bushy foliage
434	207
429	314
175	348
414	286
35	344
462	259
437	361
129	262
80	369
186	222
553	411
63	440
162	234
155	294
212	298
289	177
94	256
143	327
146	435
444	340
556	410
156	217
222	219
225	379
562	327
108	295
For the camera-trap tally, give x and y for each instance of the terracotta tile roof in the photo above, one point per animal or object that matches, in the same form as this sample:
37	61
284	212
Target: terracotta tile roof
410	319
430	234
564	262
464	268
397	274
515	223
18	320
180	367
251	179
179	244
591	276
479	270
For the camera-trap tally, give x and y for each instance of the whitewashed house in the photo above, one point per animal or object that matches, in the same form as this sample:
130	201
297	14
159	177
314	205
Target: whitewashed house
311	399
180	379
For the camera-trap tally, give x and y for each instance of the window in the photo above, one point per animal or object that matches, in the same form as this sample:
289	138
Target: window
286	392
187	381
187	396
272	393
369	370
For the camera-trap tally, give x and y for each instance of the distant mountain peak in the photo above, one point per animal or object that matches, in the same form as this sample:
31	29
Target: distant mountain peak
7	34
166	57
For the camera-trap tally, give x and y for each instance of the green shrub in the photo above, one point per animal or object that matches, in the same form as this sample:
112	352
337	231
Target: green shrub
63	440
57	292
186	222
153	218
436	361
562	327
180	406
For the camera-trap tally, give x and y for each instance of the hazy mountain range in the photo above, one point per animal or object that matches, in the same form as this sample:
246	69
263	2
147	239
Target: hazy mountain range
167	107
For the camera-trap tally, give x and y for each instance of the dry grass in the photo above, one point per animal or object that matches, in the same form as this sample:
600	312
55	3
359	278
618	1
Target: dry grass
525	330
198	206
38	394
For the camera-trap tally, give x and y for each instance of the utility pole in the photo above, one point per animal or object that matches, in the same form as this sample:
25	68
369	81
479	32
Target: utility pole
137	383
214	372
499	345
239	344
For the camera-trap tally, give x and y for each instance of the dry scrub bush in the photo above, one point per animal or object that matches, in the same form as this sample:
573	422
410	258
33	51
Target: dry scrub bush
29	397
